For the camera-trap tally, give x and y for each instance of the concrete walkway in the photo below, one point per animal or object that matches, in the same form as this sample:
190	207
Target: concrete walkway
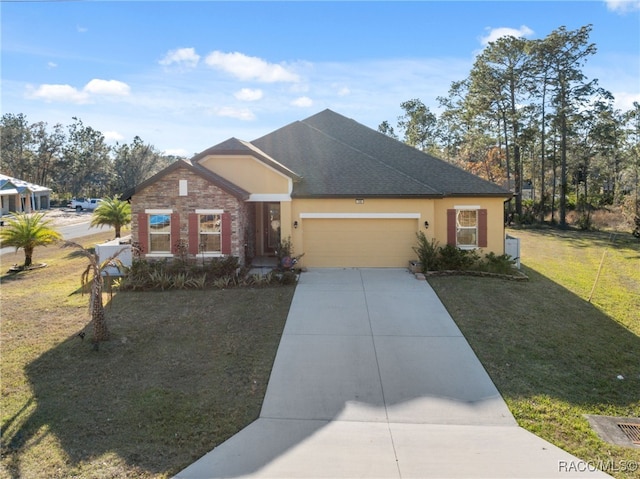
373	379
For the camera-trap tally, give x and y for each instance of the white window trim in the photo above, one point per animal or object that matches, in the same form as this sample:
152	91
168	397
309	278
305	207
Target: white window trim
467	207
155	211
374	216
158	254
475	208
266	197
209	212
183	189
210	254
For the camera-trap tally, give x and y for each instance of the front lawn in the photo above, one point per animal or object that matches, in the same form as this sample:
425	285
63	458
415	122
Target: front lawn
183	371
553	355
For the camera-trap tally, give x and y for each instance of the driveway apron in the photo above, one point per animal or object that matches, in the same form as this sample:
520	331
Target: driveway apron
373	379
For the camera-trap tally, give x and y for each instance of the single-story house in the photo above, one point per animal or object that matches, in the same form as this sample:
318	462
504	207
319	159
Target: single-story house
21	196
344	194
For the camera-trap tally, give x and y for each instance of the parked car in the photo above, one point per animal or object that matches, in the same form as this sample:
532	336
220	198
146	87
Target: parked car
80	204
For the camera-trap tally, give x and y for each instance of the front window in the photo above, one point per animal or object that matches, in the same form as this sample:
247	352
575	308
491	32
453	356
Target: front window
210	233
159	233
467	228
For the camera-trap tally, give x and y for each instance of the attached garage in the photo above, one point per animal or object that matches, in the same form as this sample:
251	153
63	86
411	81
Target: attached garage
354	241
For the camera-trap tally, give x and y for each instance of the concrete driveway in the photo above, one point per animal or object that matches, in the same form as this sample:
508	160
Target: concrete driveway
373	379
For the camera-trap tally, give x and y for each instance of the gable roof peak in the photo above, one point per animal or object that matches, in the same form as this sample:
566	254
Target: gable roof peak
235	146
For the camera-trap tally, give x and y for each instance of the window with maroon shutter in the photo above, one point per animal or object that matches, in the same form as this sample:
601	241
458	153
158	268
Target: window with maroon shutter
143	232
451	227
160	227
175	233
194	233
226	233
210	232
467	227
482	228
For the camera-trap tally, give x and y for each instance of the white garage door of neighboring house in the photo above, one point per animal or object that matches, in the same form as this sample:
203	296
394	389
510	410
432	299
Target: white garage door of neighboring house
359	242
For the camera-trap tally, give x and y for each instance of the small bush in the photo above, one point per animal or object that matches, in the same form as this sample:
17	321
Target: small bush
427	252
454	258
285	254
501	264
450	258
220	267
288	278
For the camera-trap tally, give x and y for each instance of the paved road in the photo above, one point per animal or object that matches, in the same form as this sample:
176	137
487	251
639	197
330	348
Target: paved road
68	232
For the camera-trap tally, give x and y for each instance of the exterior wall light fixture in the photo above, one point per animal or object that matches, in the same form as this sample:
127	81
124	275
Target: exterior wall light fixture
295	224
426	225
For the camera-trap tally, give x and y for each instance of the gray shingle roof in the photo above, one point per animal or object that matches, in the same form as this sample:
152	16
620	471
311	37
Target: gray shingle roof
339	157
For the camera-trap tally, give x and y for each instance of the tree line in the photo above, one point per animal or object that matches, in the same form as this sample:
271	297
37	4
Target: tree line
528	118
74	161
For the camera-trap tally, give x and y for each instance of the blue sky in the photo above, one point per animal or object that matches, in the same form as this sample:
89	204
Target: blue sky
187	75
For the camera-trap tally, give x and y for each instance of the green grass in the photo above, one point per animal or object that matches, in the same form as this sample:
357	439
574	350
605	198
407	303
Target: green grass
183	371
553	355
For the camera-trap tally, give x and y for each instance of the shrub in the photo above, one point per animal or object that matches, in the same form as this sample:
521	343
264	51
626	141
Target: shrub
584	221
288	277
455	258
220	267
501	264
449	257
427	252
285	255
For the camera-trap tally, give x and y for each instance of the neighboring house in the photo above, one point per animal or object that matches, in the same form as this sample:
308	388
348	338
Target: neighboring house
346	196
21	196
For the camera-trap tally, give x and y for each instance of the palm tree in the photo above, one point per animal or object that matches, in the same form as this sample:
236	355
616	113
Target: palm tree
112	212
28	231
93	275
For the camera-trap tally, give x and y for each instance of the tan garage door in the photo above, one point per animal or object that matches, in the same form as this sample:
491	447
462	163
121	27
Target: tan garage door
358	243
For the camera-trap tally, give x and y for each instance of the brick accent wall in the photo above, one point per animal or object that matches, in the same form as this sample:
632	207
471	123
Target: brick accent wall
201	194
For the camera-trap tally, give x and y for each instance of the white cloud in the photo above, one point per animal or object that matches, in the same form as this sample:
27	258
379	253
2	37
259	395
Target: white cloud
69	94
245	67
107	87
112	136
303	102
58	93
344	91
182	56
496	33
238	113
623	6
81	29
624	100
177	152
249	94
52	65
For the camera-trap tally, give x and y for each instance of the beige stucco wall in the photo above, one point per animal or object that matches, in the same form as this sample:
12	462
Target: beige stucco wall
420	210
495	220
248	173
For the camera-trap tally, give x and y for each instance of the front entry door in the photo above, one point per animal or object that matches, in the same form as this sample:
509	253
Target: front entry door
271	222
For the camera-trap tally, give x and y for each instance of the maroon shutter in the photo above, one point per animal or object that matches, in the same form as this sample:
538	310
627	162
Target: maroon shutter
143	232
175	232
226	233
451	227
194	233
482	228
